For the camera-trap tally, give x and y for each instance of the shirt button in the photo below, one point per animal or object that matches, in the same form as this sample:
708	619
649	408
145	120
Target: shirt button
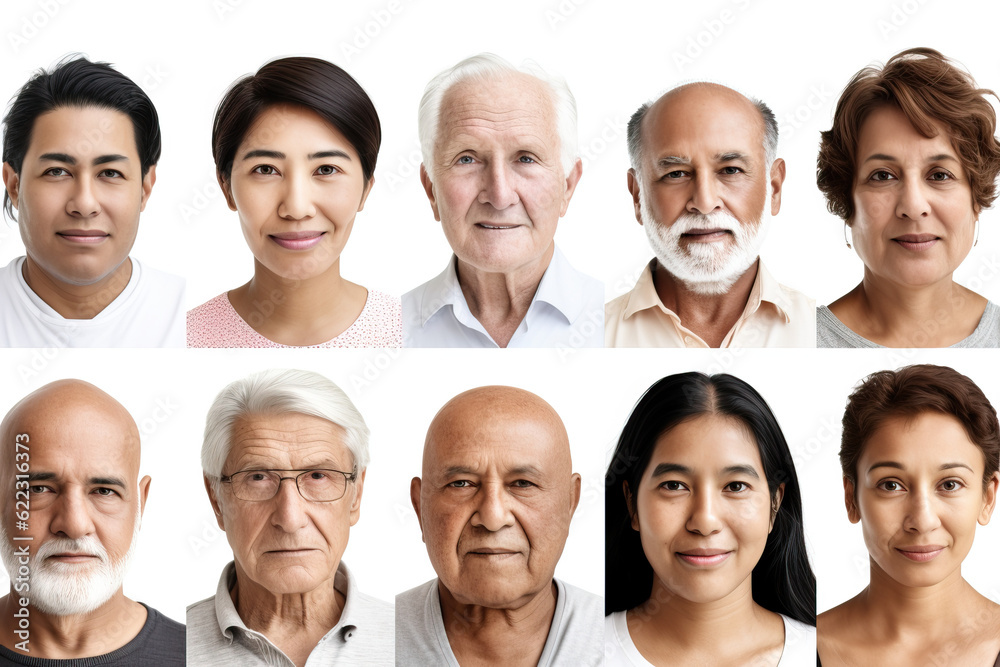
348	632
688	340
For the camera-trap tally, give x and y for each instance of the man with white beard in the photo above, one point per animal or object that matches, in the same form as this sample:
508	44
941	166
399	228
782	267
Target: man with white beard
704	183
70	454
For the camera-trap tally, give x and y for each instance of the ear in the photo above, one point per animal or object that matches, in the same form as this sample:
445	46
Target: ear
633	188
367	191
577	484
850	501
144	491
147	186
227	190
779	495
777	179
359	487
572	178
415	500
990	498
12	182
425	180
216	506
630	504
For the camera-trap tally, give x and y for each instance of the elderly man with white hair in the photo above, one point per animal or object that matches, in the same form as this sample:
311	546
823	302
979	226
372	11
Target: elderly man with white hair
499	167
287	598
704	182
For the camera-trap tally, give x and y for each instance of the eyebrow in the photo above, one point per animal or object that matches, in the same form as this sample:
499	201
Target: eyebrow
668	160
744	469
730	156
69	159
934	158
900	466
278	155
666	468
96	481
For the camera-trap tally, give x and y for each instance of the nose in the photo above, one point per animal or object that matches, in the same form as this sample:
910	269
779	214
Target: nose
289	507
296	201
71	515
704	517
921	517
498	190
493	510
705	197
912	203
83	202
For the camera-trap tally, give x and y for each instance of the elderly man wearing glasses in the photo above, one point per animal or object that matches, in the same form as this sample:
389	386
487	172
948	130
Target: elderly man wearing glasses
287	597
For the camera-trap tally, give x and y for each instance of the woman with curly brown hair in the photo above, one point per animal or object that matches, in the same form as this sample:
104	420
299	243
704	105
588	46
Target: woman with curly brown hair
909	164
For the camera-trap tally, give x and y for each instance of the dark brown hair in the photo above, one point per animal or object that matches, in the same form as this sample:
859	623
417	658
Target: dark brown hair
908	392
928	89
311	83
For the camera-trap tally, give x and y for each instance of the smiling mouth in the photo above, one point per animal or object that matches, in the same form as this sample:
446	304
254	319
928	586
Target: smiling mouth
485	225
704	557
297	240
921	554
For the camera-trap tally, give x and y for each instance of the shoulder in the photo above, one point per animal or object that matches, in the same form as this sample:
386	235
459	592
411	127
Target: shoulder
380	323
216	324
800	643
163	640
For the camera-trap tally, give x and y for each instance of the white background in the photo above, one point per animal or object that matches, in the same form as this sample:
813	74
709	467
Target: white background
795	56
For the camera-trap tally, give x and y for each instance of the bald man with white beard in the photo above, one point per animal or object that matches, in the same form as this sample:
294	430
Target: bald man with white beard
704	182
70	453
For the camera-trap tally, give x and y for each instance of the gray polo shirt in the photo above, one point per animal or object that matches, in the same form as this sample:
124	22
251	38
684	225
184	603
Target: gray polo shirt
218	637
576	637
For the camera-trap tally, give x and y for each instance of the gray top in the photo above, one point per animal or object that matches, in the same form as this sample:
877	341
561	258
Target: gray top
217	636
576	637
831	332
160	642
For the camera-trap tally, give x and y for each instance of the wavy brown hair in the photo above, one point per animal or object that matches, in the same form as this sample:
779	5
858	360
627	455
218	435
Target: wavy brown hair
930	90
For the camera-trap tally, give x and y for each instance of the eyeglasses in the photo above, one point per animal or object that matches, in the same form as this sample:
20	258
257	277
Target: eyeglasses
319	486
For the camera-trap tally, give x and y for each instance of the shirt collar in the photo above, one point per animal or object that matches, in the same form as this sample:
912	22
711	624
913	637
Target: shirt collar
229	618
765	290
559	288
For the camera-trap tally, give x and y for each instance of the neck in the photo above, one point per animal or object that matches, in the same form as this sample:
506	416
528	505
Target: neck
298	312
311	613
486	635
501	300
710	316
76	302
895	610
107	628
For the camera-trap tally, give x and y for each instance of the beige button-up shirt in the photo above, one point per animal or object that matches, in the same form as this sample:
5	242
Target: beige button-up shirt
775	316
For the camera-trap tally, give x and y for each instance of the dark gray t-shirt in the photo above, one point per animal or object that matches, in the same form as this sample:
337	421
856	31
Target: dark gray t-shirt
160	643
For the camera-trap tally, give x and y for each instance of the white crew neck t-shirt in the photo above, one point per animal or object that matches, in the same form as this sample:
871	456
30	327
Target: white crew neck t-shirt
148	313
619	651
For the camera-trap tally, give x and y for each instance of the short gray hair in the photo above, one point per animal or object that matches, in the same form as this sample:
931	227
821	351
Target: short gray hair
634	131
276	392
487	67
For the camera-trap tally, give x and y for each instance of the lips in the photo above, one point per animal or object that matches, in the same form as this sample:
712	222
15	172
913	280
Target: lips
704	557
84	236
495	226
297	240
921	553
491	551
706	233
917	242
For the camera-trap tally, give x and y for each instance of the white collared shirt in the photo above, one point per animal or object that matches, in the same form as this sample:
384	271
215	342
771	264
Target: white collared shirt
218	637
567	311
774	316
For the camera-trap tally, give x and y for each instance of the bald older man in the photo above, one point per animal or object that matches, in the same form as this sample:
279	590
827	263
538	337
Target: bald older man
704	182
72	505
494	500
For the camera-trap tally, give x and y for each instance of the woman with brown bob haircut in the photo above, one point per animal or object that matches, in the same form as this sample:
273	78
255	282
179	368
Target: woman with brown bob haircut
920	451
295	147
909	164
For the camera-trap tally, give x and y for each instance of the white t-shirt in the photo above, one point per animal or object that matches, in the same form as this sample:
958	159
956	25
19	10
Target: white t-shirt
574	637
148	313
619	651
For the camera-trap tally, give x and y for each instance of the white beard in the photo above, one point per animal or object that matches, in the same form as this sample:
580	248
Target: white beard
705	268
66	589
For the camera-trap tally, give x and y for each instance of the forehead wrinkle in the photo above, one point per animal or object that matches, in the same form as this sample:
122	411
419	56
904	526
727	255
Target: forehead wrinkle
307	443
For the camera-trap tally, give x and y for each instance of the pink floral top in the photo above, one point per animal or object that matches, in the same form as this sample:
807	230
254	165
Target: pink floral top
217	324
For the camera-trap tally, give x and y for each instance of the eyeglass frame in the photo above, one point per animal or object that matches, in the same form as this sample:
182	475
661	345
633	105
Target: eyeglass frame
348	477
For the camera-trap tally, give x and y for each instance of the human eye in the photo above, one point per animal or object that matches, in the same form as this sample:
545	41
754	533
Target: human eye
256	476
111	173
265	170
318	475
55	171
460	484
881	176
327	170
105	492
940	176
522	484
526	159
952	485
731	170
889	485
465	159
39	489
672	485
737	487
677	174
